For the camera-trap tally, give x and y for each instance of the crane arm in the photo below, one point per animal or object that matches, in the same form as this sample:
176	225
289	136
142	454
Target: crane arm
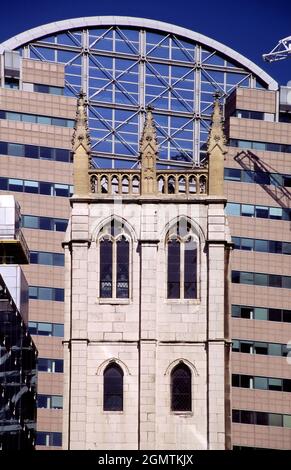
281	51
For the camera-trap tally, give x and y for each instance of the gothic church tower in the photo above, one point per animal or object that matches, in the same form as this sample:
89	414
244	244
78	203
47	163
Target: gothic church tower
146	324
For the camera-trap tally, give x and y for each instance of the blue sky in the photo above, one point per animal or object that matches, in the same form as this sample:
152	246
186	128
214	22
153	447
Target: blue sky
251	27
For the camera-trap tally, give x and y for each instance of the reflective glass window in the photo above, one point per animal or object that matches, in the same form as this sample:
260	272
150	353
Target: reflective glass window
247	210
262	245
275	419
275	314
275	280
56	402
261	383
261	313
31	151
261	348
232	208
261	279
286	282
58	329
286	421
247	244
275	384
15	150
31	187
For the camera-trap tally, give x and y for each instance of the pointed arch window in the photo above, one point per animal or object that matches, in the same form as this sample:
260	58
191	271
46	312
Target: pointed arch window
182	248
114	262
113	388
181	388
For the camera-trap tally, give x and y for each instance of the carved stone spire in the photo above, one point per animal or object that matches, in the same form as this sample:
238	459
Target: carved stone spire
81	149
148	154
216	151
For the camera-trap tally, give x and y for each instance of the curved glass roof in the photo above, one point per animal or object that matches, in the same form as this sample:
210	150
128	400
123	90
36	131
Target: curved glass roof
124	64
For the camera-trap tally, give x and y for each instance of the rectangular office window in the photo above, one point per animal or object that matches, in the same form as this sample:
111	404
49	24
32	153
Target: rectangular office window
45	223
46	153
58	259
286	248
262	212
261	313
32	327
247	244
286	282
261	383
235	311
45	329
275	246
232	174
246	278
44	120
287	316
13	116
261	348
261	418
247	312
4	183
62	155
235	345
61	190
247	210
261	245
246	347
15	185
275	280
3	148
46	188
247	417
60	225
29	118
235	277
261	279
30	221
56	402
31	187
275	419
45	293
15	150
275	385
275	213
58	330
31	151
45	258
232	209
275	314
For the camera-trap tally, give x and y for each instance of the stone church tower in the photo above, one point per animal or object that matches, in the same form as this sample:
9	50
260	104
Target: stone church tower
146	324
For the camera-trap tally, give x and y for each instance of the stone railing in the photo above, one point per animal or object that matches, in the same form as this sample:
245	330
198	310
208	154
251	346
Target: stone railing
187	182
128	182
114	182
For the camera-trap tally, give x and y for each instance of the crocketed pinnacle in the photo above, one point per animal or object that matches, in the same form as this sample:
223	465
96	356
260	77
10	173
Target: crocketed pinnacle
81	135
216	135
149	141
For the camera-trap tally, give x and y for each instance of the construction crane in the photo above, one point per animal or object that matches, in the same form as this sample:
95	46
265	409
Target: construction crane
280	52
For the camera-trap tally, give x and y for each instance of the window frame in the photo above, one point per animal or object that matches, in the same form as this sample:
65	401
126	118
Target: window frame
117	367
191	237
105	234
185	367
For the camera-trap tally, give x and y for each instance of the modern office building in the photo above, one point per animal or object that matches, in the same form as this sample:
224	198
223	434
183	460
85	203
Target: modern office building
18	376
123	65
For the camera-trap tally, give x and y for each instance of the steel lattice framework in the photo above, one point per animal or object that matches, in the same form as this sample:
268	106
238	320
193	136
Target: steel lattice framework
281	51
122	68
